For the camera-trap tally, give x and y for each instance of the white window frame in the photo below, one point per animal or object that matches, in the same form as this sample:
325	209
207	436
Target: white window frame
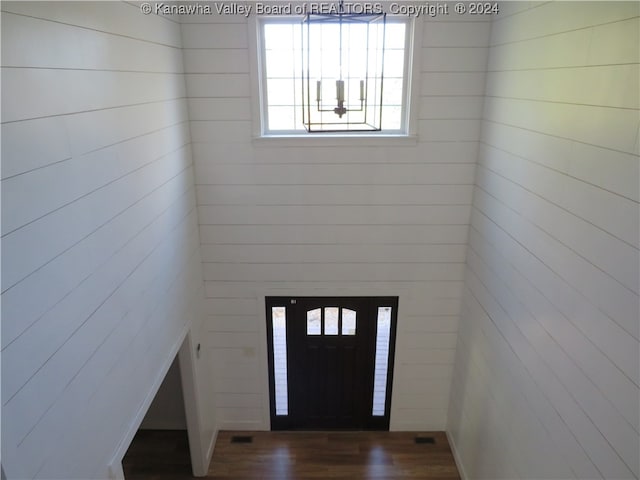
413	43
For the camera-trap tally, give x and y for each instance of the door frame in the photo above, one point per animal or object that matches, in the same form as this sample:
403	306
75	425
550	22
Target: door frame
184	352
372	303
198	450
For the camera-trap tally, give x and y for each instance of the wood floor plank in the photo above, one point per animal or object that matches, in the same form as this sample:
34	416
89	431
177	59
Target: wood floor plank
297	456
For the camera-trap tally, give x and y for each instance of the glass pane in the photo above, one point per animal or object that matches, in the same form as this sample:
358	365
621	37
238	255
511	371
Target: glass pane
329	36
331	320
348	322
279	322
357	62
395	35
382	361
356	36
313	322
279	36
282	118
281	92
393	63
392	91
392	118
361	59
280	65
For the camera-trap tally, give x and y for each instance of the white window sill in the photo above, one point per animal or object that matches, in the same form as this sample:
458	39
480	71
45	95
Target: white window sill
328	140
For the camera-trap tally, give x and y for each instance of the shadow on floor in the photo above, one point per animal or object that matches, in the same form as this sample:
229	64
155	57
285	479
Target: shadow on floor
158	455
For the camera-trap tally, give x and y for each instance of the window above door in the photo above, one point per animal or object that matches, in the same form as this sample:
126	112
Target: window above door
283	79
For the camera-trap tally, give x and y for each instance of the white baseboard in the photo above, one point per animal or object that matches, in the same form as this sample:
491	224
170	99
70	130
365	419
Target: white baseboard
456	457
212	445
210	448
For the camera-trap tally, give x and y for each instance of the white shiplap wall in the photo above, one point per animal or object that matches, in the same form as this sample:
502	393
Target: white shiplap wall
308	219
101	271
546	374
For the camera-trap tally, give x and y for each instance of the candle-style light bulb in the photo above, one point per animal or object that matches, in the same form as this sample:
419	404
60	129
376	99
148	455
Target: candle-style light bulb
318	91
340	90
361	90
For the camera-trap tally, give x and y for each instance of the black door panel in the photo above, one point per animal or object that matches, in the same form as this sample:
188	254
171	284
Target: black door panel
331	344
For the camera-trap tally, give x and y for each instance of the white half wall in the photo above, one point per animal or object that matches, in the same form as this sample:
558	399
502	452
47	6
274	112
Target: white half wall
546	374
101	270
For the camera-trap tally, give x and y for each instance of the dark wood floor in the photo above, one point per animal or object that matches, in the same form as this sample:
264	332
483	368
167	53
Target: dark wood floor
296	455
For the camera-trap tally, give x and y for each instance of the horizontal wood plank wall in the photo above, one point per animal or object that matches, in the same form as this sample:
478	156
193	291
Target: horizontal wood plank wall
547	360
101	270
313	220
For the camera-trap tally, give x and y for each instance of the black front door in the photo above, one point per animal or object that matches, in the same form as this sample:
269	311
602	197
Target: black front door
327	350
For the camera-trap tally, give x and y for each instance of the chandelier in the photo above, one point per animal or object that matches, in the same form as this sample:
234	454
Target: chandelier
342	70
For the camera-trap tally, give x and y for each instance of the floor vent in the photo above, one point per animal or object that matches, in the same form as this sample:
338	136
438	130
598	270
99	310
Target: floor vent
241	439
425	440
